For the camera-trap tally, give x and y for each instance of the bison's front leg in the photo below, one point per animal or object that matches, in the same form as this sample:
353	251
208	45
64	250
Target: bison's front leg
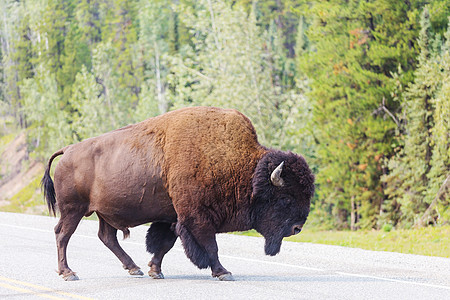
160	239
201	247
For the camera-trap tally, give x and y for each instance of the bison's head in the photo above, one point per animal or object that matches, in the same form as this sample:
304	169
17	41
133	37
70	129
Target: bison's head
283	186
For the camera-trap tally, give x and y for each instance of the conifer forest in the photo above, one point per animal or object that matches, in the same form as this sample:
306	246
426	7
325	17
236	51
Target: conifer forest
360	88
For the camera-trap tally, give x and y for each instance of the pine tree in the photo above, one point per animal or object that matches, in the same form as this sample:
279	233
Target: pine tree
238	67
420	168
119	31
440	161
88	17
50	129
356	46
154	40
14	60
91	117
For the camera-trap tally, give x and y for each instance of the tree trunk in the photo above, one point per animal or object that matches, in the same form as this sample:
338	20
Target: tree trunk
353	215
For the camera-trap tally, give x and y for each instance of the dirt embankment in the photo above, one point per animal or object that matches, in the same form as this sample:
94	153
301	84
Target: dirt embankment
16	169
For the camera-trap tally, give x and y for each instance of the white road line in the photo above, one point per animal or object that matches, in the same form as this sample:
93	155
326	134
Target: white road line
23	227
395	280
273	263
260	261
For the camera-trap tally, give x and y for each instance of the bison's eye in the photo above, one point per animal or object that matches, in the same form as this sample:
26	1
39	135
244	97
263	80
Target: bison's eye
285	201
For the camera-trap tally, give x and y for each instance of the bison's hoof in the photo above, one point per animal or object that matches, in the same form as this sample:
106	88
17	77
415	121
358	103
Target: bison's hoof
155	275
70	277
226	277
135	272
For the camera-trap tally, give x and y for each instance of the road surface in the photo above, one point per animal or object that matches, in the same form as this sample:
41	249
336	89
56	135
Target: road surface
301	271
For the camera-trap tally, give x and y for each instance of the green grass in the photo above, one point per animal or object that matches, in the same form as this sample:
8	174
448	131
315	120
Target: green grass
431	241
27	200
6	139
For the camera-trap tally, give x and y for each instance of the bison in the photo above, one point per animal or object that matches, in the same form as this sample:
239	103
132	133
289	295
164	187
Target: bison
193	172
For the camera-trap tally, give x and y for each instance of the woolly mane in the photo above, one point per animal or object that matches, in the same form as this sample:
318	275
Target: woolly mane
296	174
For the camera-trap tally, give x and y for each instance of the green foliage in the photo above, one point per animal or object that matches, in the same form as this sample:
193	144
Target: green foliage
387	227
27	200
90	110
44	111
6	139
228	66
348	84
419	169
357	48
157	38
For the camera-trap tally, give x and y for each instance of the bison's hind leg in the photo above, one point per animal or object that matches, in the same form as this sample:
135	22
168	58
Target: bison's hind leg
108	235
159	240
66	226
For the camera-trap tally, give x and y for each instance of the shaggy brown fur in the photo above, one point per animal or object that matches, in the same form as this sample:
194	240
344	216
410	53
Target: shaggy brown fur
207	154
201	168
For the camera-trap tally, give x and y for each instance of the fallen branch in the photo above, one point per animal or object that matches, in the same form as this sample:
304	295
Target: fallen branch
384	108
433	203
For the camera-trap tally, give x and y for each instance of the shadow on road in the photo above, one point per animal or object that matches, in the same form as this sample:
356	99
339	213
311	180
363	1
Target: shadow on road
269	278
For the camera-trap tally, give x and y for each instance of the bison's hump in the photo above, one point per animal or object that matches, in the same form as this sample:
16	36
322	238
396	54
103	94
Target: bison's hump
204	132
204	147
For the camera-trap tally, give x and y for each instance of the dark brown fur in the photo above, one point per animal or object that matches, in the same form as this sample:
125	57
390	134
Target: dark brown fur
201	168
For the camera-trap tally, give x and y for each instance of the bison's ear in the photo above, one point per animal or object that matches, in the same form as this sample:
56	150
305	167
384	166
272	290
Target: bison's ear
276	176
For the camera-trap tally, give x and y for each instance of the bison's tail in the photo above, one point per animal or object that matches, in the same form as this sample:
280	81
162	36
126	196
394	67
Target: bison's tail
47	184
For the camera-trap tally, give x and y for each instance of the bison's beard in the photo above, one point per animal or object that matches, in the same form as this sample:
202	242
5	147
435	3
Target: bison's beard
272	245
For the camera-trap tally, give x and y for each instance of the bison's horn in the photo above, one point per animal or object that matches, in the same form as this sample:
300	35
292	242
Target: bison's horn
276	176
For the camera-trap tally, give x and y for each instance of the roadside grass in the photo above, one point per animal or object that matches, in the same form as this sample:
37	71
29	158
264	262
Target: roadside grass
28	200
430	241
6	139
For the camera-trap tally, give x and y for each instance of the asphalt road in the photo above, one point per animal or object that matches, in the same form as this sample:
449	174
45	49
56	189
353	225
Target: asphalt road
301	271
